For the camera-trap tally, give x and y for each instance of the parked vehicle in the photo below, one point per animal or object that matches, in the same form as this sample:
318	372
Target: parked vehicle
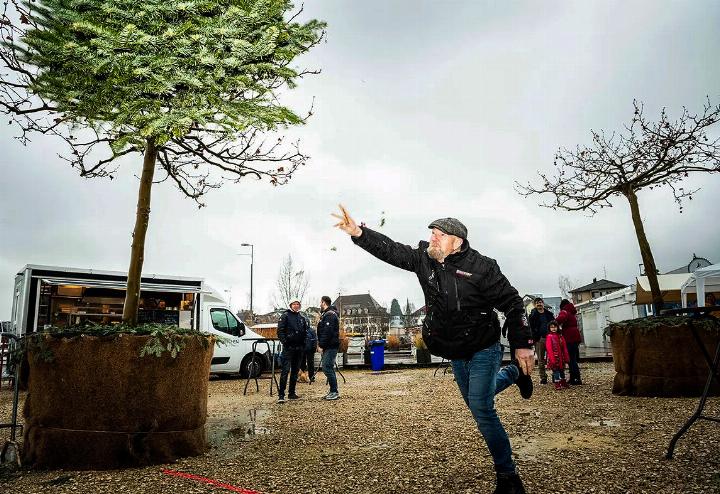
53	296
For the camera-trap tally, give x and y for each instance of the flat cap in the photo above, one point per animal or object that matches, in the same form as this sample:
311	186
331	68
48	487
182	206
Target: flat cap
451	226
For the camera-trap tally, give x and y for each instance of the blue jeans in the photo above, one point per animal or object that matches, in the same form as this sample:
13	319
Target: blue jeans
558	375
328	367
480	378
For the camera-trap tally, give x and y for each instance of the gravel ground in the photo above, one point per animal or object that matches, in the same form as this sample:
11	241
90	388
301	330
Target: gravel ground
406	431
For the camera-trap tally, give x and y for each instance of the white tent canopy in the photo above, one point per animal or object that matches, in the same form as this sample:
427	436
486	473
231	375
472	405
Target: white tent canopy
703	280
669	287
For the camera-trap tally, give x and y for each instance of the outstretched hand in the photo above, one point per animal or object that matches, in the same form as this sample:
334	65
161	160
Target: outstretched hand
347	224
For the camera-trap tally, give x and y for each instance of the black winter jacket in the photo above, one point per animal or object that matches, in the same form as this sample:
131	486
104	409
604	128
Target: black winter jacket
460	296
311	340
292	329
328	329
538	323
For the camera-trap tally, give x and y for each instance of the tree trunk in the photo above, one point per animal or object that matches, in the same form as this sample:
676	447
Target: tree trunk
142	217
646	253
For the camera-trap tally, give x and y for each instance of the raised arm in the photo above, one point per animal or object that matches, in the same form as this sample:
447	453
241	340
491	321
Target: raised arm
399	255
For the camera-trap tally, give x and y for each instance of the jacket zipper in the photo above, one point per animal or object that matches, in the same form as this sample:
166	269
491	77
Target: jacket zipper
457	293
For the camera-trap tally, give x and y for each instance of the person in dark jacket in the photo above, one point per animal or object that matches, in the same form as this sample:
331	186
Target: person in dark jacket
328	332
567	320
539	319
307	362
461	289
292	331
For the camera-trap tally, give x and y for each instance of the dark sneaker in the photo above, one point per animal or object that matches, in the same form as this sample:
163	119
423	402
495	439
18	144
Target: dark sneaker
543	380
281	399
332	396
523	382
293	397
509	484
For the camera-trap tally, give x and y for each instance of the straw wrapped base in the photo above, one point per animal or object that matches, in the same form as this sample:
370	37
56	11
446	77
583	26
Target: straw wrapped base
100	405
664	361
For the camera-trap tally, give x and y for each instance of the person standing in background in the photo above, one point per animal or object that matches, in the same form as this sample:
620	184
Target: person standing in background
568	322
539	319
328	334
292	331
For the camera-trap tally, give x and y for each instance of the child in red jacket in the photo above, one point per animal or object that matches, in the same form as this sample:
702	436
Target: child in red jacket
557	354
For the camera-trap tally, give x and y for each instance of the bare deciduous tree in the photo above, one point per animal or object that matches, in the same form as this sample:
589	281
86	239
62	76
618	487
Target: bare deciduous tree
646	154
566	284
291	284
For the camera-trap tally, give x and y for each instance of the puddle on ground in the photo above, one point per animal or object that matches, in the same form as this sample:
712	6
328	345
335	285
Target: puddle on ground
541	447
604	423
244	426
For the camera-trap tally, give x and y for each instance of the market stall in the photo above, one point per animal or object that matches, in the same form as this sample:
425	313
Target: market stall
703	281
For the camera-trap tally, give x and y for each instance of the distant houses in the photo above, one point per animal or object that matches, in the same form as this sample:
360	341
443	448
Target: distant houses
363	315
597	288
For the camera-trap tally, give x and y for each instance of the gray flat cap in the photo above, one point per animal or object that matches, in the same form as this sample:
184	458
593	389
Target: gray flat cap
451	226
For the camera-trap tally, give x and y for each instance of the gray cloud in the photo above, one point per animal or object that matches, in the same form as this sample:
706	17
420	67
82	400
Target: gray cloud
423	109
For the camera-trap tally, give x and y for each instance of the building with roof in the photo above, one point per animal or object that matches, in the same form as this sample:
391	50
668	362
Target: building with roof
597	288
669	283
362	314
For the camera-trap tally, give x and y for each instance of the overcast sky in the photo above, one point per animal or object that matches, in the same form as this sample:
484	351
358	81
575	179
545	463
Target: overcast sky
424	109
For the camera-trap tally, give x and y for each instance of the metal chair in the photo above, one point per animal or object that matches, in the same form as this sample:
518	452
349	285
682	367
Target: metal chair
254	362
445	364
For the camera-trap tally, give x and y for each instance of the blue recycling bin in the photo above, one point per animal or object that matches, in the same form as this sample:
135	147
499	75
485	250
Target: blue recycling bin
377	354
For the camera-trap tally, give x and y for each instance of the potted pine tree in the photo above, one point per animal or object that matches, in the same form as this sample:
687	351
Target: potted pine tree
192	88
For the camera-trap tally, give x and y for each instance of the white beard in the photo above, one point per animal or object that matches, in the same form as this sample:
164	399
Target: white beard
436	253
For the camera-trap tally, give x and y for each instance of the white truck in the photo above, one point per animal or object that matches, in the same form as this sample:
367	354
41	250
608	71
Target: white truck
53	296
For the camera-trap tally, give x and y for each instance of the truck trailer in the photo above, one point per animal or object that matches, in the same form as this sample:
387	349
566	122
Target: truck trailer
59	297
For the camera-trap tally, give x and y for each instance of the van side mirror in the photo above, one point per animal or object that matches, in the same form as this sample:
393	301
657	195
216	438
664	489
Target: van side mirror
241	329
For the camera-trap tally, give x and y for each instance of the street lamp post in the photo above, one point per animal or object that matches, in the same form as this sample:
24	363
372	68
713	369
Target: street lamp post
252	261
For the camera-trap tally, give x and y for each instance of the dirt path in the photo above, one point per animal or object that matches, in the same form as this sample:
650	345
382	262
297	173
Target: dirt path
405	431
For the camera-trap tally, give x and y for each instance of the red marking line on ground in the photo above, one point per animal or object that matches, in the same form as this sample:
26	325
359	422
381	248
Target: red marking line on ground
216	483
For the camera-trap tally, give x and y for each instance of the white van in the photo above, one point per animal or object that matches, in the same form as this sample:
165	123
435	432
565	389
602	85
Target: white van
53	296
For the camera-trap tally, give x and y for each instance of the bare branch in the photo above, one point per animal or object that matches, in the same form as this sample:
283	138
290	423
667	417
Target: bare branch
645	154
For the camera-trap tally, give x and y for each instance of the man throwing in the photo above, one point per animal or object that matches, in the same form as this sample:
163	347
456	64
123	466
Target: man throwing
461	289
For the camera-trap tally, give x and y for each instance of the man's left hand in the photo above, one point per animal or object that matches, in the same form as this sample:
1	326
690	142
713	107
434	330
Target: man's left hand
526	360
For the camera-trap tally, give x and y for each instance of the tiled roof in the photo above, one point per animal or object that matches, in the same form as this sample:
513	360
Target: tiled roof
363	301
599	285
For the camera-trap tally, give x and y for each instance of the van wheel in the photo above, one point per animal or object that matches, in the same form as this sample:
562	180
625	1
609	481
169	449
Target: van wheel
251	367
